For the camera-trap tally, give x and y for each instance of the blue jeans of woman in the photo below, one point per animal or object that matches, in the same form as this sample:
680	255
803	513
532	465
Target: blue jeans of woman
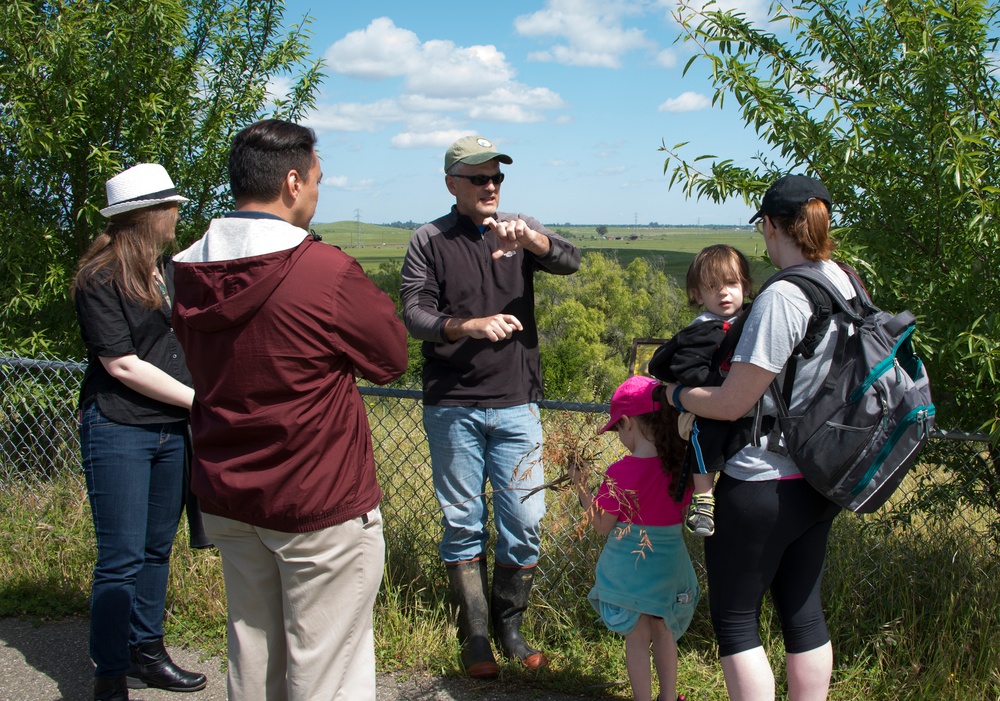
134	481
469	445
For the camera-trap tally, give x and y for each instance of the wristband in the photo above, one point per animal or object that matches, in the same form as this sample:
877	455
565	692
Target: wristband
677	399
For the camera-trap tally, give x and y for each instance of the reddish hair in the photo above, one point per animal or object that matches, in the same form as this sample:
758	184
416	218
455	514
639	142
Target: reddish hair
810	230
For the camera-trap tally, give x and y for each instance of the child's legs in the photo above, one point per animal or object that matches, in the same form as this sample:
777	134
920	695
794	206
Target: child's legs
704	483
664	658
637	659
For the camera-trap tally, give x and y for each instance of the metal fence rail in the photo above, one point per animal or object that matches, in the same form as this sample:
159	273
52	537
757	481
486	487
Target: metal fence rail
951	498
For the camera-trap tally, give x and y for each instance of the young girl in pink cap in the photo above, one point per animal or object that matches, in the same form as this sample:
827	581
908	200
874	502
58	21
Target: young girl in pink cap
645	589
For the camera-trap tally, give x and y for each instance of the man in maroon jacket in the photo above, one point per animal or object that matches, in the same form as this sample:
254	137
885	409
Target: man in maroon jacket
276	326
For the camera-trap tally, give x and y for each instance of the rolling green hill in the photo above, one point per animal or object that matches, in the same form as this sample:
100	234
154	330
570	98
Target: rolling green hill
672	247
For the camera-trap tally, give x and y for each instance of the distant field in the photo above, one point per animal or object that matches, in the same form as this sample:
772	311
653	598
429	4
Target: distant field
671	247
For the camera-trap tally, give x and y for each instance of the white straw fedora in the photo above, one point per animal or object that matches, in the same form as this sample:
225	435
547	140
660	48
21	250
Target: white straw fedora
143	185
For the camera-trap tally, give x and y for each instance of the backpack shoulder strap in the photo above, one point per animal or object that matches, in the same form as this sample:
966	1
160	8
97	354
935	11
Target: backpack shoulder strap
800	273
825	300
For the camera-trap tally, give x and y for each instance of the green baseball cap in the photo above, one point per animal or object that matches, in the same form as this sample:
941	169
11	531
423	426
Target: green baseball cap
473	150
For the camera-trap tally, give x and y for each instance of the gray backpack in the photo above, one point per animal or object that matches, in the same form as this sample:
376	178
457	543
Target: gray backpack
856	439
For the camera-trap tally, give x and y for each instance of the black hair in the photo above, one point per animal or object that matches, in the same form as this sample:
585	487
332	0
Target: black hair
263	154
661	428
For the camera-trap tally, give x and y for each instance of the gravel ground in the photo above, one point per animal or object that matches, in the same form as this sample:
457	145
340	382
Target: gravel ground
49	661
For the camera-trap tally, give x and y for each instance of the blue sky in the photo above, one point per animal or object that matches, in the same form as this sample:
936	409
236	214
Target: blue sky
580	93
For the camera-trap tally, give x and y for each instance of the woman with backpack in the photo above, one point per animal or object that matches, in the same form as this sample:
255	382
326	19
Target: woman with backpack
771	525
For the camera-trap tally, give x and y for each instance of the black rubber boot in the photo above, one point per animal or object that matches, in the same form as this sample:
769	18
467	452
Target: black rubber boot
110	689
152	666
468	586
511	591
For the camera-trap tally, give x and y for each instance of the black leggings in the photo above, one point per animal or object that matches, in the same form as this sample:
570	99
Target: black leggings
768	535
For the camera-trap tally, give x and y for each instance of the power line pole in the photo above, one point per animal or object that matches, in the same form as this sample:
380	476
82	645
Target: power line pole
357	219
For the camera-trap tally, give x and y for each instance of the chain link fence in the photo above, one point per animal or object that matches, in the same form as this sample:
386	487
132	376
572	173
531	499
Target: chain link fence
943	519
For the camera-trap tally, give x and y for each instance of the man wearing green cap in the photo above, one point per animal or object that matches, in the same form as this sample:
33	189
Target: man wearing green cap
468	294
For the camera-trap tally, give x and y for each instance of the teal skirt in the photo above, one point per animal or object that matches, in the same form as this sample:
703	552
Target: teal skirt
645	569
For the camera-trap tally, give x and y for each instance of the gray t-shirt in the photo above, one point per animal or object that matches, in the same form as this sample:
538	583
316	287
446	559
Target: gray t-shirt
778	322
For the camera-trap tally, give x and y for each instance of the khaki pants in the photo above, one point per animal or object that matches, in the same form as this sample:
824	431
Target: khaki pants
300	609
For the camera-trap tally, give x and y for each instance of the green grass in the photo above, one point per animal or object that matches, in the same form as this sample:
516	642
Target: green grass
673	248
919	624
913	611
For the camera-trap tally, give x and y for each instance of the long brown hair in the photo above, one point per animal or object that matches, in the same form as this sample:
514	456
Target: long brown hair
810	230
661	428
127	252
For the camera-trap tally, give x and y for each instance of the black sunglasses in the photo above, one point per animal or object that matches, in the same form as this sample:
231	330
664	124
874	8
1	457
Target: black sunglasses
481	180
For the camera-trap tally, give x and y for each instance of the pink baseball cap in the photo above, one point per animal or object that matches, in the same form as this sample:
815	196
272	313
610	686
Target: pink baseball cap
633	397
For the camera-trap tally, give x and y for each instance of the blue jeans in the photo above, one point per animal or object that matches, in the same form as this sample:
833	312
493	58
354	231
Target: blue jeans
469	445
135	476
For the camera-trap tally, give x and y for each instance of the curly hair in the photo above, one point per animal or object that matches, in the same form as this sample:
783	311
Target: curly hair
661	428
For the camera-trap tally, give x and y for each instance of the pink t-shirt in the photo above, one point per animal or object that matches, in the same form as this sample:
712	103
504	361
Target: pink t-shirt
637	490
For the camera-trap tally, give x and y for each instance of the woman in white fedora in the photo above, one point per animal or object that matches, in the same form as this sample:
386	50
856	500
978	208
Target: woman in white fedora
134	404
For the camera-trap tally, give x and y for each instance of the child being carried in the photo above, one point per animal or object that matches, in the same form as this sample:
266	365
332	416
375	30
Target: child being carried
698	356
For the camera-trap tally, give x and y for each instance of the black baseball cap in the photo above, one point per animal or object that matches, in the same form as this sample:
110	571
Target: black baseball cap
786	196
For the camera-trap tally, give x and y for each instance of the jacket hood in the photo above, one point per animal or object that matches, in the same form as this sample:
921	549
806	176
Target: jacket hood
227	275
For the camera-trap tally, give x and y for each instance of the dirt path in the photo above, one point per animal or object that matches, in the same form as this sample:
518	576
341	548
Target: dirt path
49	661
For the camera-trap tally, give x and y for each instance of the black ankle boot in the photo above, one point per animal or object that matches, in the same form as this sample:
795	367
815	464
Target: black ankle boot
110	689
152	666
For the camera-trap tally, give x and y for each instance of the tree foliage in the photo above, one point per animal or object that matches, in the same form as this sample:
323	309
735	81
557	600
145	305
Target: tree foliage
894	105
90	88
587	322
388	277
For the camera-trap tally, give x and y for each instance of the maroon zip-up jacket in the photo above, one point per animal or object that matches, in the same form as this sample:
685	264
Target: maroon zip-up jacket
275	327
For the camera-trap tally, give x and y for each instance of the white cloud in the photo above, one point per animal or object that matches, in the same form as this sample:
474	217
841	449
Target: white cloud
381	50
441	82
342	182
515	102
436	67
754	10
437	139
591	29
449	70
666	59
512	102
278	87
612	170
355	116
576	57
686	102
